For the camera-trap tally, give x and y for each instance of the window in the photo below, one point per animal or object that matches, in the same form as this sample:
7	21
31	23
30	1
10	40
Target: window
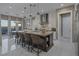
13	25
19	26
4	26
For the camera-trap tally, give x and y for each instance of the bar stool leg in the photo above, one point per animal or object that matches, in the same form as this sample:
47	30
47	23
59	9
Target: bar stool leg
38	51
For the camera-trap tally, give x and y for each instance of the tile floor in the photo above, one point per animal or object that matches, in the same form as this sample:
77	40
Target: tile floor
60	48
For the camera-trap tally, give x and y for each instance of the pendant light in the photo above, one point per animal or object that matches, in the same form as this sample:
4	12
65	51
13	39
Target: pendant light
30	10
32	6
38	13
24	12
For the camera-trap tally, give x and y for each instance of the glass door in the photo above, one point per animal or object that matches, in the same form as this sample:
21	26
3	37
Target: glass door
13	28
4	29
4	35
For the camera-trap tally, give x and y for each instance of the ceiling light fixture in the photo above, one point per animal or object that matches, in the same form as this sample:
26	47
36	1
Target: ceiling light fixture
38	13
30	10
22	11
61	5
10	7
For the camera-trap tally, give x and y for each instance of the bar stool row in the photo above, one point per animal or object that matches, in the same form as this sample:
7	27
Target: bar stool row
32	41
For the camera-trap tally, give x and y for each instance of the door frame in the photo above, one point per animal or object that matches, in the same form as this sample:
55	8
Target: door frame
59	22
0	33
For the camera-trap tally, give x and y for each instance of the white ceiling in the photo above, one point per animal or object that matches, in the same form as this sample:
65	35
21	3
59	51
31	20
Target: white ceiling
16	9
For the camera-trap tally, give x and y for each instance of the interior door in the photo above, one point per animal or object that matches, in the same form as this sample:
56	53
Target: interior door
66	25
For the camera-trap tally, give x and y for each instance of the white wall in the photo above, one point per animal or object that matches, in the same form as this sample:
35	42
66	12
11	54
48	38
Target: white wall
51	19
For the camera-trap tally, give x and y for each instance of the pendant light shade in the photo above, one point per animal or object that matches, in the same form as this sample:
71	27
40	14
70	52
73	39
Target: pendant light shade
38	13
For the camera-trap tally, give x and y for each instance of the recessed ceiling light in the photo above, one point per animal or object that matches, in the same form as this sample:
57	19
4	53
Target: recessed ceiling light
61	5
42	10
22	11
10	7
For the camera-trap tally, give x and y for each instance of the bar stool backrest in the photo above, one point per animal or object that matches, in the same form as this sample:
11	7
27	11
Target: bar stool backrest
36	39
27	37
17	35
